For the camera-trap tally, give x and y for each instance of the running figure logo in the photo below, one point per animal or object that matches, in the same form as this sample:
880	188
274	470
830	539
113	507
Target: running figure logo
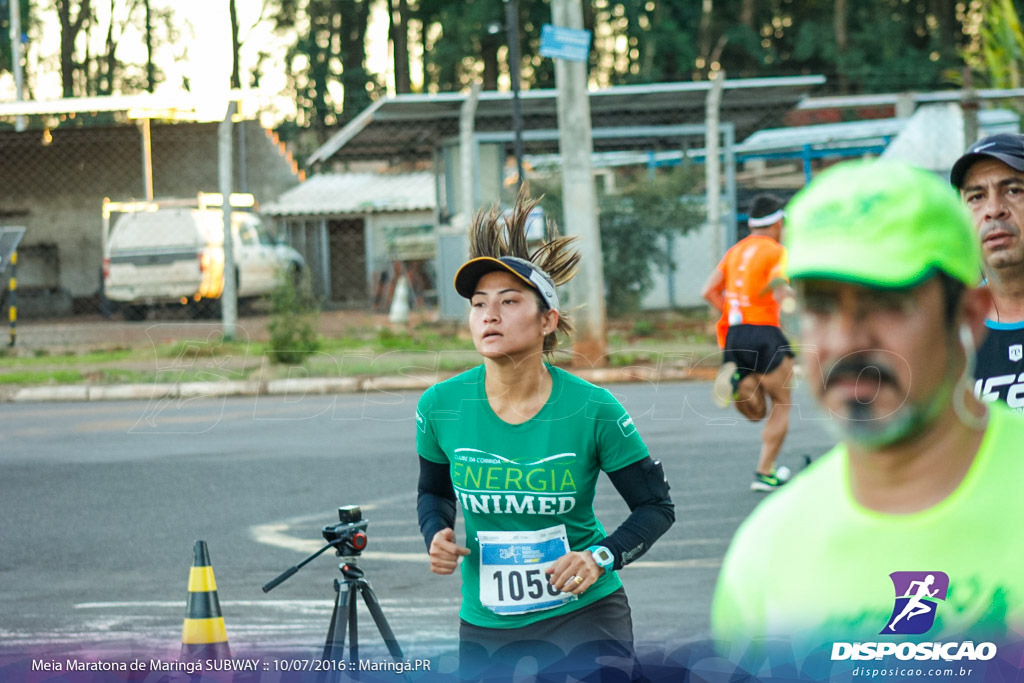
917	596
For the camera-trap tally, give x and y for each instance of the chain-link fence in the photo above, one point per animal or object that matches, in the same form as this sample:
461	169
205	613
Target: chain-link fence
79	188
385	202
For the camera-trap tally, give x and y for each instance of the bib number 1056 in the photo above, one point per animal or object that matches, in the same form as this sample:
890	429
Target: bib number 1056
513	579
517	585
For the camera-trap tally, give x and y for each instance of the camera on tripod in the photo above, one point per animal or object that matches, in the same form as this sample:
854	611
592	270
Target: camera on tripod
348	536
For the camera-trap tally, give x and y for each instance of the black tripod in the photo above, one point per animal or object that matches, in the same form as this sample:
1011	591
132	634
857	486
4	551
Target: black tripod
343	619
344	616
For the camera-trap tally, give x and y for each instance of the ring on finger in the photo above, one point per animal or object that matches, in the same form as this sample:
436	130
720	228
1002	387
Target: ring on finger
578	580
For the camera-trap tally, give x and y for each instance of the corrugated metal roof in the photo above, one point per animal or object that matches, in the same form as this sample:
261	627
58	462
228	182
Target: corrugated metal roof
357	193
414	125
818	137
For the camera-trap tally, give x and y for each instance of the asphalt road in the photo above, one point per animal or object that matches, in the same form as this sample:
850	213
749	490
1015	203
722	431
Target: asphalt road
102	502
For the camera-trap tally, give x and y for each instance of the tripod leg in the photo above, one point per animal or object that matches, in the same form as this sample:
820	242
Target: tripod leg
370	598
353	643
334	648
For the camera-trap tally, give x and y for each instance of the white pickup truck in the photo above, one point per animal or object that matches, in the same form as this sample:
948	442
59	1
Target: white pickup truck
172	252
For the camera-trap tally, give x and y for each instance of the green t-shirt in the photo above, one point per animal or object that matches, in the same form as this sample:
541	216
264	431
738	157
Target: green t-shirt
525	478
812	566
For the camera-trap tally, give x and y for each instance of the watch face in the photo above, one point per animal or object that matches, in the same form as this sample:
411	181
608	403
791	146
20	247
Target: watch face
602	556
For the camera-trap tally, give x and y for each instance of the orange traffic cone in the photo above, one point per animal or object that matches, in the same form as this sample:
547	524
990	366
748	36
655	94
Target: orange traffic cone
203	635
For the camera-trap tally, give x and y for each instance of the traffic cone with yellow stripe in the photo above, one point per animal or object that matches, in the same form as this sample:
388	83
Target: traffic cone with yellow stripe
203	635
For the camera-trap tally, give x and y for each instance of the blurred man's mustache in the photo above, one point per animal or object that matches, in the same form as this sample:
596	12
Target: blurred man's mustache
857	369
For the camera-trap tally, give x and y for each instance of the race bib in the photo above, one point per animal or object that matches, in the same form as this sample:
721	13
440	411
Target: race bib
512	564
735	316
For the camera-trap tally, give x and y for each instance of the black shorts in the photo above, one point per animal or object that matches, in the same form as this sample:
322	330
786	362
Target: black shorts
755	349
602	631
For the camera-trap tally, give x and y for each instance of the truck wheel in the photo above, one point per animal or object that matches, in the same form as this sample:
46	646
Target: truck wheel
295	276
204	309
134	311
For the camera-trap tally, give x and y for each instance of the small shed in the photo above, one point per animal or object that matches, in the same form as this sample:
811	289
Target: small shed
357	230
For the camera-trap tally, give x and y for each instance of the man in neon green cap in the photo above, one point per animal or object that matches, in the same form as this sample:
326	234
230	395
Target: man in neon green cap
925	481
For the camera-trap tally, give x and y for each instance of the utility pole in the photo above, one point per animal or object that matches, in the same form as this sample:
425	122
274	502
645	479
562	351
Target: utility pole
712	164
579	198
20	123
512	38
225	177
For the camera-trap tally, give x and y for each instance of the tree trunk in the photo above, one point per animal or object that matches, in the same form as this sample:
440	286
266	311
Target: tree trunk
69	30
236	75
839	24
950	31
748	14
353	57
323	22
109	61
704	35
400	43
489	55
150	66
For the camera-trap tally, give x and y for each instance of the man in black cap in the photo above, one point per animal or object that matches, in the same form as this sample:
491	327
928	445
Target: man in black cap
990	177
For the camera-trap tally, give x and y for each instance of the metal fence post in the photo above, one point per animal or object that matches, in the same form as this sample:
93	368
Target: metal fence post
225	167
12	299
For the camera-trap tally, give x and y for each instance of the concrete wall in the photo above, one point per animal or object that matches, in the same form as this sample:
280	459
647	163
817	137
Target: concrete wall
694	260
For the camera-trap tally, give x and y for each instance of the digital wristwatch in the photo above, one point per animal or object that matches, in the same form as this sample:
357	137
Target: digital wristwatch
602	556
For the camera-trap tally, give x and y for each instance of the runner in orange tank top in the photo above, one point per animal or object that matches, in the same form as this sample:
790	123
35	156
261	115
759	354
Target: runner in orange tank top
757	360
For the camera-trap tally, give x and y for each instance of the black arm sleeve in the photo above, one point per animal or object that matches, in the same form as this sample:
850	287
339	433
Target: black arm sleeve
644	488
435	500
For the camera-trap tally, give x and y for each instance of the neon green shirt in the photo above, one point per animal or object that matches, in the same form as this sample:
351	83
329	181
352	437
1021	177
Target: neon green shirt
812	566
526	477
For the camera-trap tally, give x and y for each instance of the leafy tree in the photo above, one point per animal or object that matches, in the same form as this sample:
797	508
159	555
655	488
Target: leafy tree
106	73
457	46
635	222
329	50
634	227
355	79
236	45
150	65
398	33
71	23
909	44
90	39
996	50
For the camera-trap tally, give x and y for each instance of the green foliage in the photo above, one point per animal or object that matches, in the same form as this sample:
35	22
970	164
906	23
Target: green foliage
634	226
637	223
41	377
329	50
293	320
996	51
329	78
463	41
643	328
10	358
